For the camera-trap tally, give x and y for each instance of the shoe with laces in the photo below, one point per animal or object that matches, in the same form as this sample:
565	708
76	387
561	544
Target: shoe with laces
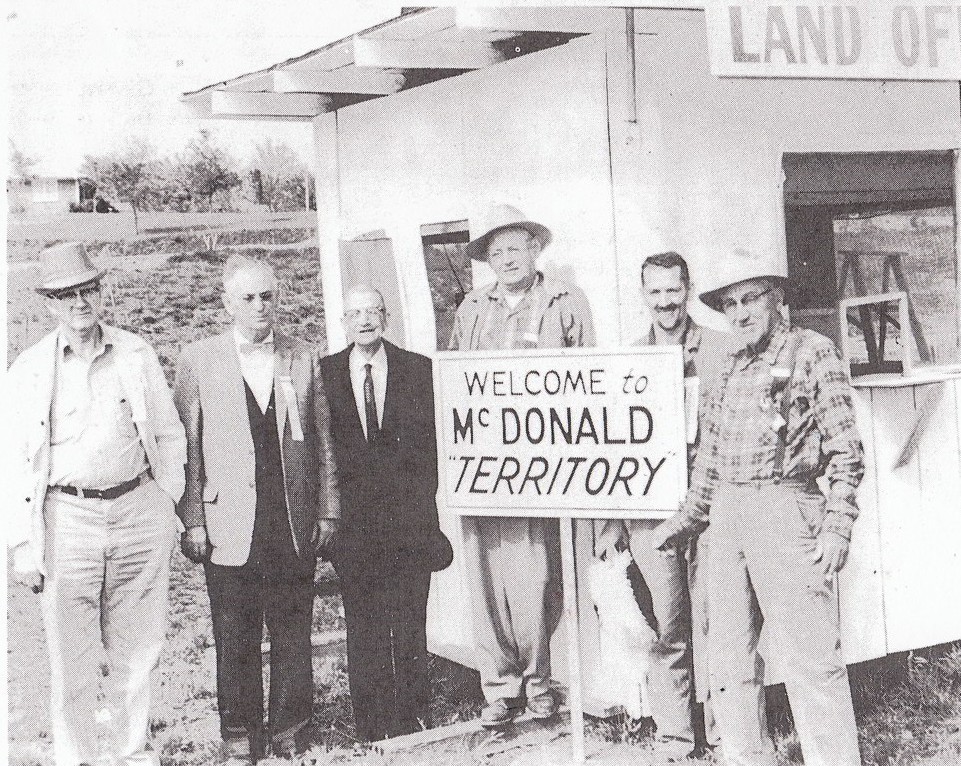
499	713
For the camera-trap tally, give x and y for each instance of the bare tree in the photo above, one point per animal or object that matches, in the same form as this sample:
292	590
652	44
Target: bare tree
21	165
278	176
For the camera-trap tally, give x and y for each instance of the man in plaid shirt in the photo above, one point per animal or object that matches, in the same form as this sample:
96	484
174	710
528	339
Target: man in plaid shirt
778	541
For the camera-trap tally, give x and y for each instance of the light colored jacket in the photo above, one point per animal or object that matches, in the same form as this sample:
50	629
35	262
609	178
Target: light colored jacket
221	473
30	387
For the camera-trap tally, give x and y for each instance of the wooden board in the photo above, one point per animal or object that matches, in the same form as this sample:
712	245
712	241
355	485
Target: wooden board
924	591
860	586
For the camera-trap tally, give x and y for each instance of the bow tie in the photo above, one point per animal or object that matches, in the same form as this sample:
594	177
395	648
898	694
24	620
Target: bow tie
266	346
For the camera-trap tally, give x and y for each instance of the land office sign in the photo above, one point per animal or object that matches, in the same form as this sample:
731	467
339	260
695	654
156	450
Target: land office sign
863	39
571	433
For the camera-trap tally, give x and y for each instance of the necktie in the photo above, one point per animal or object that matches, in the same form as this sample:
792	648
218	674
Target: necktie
370	406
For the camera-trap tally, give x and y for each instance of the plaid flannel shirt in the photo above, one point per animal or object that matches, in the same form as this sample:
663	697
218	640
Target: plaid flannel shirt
741	423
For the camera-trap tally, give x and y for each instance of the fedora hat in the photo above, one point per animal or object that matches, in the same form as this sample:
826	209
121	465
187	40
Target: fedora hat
500	217
66	265
740	266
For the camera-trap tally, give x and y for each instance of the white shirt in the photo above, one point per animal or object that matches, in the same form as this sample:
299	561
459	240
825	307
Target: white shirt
257	367
93	440
378	371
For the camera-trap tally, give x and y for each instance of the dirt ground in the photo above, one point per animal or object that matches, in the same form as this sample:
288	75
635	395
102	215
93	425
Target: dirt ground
170	297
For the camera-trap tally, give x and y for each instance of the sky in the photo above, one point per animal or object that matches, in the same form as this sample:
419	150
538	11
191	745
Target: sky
86	77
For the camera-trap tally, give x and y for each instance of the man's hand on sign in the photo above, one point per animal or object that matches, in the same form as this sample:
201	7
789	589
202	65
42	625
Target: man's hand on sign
831	550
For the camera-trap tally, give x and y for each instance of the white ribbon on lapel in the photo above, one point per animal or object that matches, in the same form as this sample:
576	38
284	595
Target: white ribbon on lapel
293	413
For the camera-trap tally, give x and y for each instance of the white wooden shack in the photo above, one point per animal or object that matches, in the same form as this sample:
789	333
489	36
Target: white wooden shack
607	125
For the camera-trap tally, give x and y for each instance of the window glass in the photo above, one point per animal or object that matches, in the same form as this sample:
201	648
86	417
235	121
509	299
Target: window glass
863	224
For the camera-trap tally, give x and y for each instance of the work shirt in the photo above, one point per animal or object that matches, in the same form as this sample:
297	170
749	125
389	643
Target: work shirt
552	314
93	439
741	424
257	366
690	342
378	372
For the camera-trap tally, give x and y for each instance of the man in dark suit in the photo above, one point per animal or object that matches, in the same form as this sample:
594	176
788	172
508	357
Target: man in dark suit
382	428
260	502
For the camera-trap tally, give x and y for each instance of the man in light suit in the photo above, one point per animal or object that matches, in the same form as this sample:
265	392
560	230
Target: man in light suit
382	424
260	502
99	462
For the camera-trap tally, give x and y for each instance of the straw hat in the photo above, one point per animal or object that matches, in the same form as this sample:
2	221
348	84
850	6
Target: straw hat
739	266
500	217
66	265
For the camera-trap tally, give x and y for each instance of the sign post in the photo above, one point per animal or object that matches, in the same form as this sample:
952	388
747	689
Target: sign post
567	433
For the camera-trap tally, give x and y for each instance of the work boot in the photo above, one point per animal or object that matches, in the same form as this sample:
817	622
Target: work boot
499	713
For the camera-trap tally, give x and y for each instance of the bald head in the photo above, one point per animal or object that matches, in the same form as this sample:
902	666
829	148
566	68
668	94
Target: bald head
365	317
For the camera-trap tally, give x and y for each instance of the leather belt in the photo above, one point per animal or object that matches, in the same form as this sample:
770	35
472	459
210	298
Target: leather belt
110	493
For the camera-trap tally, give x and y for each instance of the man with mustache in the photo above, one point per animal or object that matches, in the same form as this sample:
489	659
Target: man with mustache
676	591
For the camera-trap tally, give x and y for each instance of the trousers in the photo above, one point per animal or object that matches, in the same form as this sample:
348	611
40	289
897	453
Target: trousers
108	574
280	591
513	572
761	569
387	650
669	674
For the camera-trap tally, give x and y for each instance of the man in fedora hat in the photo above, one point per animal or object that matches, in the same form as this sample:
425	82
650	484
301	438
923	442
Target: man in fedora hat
779	424
513	563
675	582
100	465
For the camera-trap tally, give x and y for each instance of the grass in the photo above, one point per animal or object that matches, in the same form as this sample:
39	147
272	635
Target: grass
165	287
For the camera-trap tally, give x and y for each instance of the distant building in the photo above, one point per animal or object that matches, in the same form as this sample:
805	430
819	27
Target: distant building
42	193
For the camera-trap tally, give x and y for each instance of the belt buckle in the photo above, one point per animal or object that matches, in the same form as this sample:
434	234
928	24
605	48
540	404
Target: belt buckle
81	493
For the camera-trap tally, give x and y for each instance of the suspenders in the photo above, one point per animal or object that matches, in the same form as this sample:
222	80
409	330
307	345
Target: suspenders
790	353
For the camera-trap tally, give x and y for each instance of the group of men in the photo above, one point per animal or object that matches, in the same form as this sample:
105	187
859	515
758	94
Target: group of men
274	455
271	455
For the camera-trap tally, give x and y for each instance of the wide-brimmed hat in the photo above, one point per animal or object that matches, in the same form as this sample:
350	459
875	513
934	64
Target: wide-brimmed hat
739	266
498	218
66	265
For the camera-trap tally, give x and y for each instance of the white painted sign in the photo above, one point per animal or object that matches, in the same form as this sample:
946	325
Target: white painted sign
566	433
863	39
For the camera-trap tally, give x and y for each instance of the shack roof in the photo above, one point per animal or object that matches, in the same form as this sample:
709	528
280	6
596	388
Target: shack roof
419	46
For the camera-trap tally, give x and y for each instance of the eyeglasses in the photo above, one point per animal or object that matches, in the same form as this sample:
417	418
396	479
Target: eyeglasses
72	293
747	301
356	314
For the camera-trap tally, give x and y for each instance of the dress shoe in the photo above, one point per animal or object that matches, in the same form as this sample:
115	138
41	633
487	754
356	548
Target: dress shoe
542	705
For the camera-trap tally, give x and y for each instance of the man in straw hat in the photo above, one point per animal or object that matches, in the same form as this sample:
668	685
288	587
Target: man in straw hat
513	563
779	420
100	456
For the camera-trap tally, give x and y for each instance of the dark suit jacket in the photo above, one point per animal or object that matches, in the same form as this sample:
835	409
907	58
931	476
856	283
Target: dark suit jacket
387	488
